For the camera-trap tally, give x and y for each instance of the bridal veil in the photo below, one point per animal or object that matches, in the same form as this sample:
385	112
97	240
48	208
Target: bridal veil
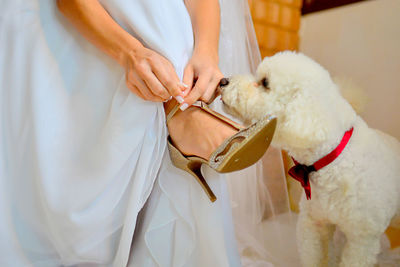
264	223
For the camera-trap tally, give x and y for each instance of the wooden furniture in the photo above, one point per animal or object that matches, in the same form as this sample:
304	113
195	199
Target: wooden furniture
276	23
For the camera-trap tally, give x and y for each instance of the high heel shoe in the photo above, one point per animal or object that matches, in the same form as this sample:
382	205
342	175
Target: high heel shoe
240	151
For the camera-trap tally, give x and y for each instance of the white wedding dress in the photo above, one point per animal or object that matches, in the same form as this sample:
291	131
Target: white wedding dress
80	155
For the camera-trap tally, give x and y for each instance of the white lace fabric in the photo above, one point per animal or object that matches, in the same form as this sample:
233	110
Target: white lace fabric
80	155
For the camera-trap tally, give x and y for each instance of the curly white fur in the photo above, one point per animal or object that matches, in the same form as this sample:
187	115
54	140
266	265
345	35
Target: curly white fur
359	192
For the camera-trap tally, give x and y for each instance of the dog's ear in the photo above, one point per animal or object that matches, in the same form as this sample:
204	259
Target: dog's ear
313	117
307	122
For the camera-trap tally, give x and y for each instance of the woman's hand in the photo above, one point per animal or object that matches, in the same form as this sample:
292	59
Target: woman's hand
202	69
148	74
151	76
203	74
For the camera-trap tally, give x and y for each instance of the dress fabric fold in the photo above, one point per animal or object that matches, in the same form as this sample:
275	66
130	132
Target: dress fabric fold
80	153
85	175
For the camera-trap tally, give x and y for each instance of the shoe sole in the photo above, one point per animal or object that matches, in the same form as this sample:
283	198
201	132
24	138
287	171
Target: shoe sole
253	143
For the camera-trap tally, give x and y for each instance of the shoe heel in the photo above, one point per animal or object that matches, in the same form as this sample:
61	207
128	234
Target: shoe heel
191	165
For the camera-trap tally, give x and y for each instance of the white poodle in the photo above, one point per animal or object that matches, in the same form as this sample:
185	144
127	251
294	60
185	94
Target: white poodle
357	190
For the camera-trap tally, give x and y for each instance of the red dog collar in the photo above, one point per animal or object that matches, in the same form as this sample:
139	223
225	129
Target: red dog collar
301	172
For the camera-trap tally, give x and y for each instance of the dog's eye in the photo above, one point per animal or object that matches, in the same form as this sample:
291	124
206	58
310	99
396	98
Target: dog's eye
264	83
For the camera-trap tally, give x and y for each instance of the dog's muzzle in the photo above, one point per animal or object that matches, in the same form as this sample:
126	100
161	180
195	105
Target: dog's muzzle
222	83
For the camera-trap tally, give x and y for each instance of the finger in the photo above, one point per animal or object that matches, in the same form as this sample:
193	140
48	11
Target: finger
188	77
197	91
138	83
169	79
154	84
134	90
210	93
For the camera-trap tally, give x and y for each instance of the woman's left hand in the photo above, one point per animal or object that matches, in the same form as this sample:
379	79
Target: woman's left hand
202	75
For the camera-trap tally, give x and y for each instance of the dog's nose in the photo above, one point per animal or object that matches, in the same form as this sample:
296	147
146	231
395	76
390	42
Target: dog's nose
223	82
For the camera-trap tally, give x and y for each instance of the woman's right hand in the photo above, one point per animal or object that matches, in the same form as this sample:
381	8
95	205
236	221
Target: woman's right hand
148	74
151	76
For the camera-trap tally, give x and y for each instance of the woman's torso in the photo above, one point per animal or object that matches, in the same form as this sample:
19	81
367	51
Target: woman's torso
90	149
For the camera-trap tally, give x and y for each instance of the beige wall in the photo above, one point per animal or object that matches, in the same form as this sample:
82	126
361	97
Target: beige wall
361	42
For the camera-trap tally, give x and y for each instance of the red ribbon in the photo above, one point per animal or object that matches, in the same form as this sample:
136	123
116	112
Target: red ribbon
301	172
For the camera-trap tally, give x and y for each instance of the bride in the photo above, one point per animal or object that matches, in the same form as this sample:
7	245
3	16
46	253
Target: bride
86	177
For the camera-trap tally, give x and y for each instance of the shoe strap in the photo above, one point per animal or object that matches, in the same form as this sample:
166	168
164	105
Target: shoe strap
205	107
172	112
201	104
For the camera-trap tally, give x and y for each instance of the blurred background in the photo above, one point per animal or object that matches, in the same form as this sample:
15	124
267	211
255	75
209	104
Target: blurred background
357	41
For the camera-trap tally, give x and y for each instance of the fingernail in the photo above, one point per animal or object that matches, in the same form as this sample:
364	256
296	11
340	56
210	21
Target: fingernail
184	106
179	99
166	100
185	85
